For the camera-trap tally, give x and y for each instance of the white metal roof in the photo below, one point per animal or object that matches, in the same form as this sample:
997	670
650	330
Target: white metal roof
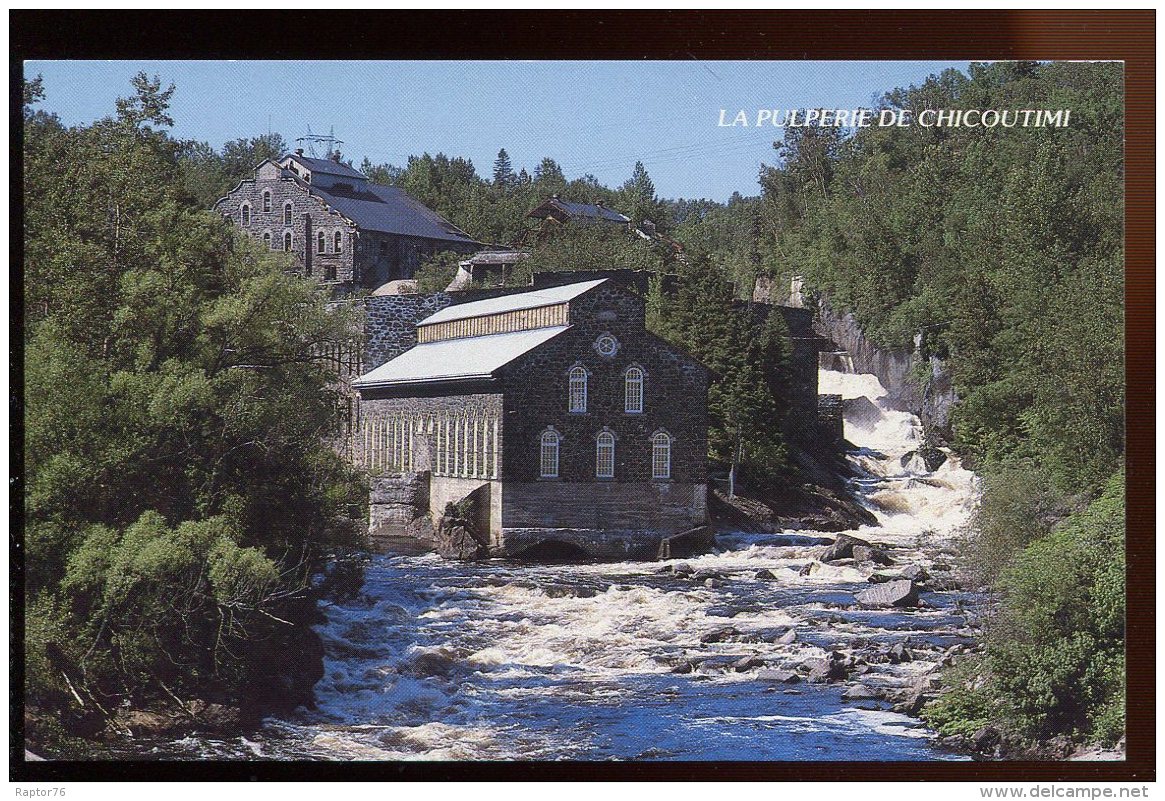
452	359
522	300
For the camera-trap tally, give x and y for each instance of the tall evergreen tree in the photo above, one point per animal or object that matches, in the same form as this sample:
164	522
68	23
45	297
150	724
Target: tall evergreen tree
504	176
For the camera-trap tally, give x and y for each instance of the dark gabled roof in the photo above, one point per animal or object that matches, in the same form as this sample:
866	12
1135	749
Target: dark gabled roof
592	211
328	167
391	211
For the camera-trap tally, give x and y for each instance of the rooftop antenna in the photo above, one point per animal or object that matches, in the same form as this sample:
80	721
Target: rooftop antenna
317	143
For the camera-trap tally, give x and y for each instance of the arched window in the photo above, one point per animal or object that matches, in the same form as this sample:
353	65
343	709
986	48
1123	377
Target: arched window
330	272
633	394
287	213
661	456
266	200
339	243
578	389
267	239
287	241
321	242
605	455
549	456
245	214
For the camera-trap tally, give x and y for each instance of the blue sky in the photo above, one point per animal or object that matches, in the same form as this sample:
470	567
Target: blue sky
591	116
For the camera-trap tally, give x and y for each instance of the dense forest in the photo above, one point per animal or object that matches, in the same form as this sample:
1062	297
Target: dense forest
1006	247
171	458
179	494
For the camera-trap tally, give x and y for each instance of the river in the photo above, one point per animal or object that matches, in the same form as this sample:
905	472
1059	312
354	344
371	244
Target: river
498	660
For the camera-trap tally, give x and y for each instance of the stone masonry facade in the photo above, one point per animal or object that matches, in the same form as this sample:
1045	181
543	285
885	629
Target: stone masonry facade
486	437
282	212
271	208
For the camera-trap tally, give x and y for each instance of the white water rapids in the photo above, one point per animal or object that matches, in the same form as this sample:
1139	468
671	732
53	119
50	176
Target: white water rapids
499	660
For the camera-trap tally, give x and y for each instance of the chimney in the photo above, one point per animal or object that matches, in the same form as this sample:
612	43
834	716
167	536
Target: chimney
336	156
299	151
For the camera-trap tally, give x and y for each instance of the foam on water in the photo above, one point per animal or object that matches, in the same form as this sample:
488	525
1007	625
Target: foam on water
445	660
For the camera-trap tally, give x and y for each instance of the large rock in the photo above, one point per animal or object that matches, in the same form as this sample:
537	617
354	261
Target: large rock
892	593
822	670
778	676
719	635
747	663
868	553
925	459
456	542
842	548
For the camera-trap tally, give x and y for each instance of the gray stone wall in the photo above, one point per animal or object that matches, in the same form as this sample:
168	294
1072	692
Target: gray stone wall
388	257
396	501
621	506
390	323
675	398
309	217
366	258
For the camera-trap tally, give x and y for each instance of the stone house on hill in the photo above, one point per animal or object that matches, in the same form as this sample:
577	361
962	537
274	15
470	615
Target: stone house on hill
342	230
553	412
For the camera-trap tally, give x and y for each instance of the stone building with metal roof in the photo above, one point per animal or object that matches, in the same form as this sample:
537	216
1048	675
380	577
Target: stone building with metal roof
341	229
550	418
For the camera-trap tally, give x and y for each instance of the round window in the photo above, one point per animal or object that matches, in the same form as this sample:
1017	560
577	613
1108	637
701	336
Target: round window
606	345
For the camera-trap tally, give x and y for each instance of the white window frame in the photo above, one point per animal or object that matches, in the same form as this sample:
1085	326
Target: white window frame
633	390
548	450
287	213
338	242
605	455
576	393
661	443
245	215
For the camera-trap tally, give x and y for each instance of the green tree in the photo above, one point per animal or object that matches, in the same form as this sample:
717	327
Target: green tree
746	347
504	176
180	492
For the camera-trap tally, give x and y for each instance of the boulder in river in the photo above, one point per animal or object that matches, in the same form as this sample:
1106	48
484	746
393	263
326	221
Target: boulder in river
925	459
842	548
868	553
892	593
900	653
914	573
747	663
719	635
764	574
456	542
860	692
778	676
823	670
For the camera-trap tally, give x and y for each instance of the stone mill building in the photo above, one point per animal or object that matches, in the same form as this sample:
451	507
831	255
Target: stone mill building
341	229
551	417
